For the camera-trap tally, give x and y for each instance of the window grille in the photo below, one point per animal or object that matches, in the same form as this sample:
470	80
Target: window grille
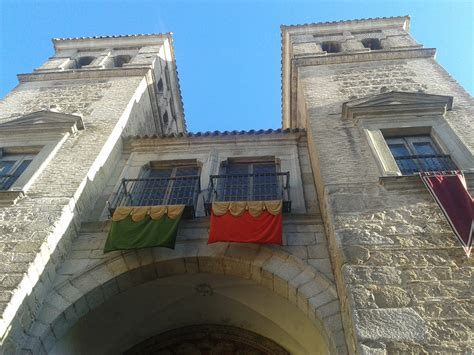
250	182
161	186
415	154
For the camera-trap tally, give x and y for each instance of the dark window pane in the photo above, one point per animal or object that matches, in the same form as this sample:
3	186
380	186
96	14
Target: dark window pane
424	148
235	185
151	191
10	176
265	183
399	150
185	187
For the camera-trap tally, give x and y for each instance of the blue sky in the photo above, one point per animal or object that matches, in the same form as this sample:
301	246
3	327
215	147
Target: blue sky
228	52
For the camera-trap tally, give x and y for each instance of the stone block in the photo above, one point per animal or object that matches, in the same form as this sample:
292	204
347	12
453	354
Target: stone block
381	275
170	267
318	252
391	297
302	238
95	298
391	324
237	268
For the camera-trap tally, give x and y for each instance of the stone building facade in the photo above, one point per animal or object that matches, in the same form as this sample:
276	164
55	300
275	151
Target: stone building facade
368	263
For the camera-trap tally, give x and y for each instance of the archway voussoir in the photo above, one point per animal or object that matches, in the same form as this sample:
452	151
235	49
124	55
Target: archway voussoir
145	256
170	267
69	292
131	259
266	279
280	286
117	266
216	250
237	267
101	273
212	265
48	340
191	264
34	346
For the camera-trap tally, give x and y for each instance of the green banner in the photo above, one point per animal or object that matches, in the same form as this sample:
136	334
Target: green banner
147	233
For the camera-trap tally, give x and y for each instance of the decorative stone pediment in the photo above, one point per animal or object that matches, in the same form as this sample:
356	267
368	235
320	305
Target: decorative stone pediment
397	103
44	121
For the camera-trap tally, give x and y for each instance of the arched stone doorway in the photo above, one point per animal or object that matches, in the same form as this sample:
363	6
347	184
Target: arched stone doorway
155	307
206	339
285	299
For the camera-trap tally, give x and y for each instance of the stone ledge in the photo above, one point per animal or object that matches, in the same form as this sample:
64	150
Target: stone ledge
414	183
8	198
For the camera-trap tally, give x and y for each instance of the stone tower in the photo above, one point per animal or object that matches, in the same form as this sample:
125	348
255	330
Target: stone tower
367	263
363	89
61	129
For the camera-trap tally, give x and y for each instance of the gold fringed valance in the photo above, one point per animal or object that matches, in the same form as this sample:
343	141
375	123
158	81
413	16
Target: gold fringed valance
155	212
255	208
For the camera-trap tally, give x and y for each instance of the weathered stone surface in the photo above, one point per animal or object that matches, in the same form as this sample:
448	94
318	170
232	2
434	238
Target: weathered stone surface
395	324
376	275
391	297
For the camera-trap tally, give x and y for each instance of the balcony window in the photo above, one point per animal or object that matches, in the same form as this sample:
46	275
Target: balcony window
251	181
415	154
160	185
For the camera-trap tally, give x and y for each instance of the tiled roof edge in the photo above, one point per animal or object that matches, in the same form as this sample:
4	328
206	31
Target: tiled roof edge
345	21
113	36
221	133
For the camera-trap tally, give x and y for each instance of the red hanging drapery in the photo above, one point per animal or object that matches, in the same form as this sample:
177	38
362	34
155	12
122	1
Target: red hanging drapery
451	194
246	225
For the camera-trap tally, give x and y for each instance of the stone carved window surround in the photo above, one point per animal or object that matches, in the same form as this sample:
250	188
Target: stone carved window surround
403	114
43	132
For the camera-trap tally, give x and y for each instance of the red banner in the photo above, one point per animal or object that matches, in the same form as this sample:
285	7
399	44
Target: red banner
451	194
263	229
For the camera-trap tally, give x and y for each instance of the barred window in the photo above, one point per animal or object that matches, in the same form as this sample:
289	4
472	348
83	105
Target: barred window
165	185
249	182
418	153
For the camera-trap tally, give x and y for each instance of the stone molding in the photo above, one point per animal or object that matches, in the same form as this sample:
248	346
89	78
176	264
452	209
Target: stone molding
43	121
75	74
397	103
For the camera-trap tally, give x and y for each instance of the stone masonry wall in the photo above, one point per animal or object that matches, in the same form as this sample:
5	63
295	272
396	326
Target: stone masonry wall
36	232
403	279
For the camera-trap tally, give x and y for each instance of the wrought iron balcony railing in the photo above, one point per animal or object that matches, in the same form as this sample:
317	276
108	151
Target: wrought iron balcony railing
413	164
250	187
158	191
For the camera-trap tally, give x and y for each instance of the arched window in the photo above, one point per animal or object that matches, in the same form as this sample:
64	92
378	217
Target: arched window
165	118
82	61
159	86
120	60
372	43
331	47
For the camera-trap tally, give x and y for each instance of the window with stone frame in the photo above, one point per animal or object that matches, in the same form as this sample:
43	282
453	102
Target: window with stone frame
418	153
409	127
13	162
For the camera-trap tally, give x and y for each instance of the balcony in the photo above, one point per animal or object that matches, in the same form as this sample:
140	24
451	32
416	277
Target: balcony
249	187
158	191
412	164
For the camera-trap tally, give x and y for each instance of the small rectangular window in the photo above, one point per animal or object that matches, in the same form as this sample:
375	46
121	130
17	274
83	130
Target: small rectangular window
11	167
417	154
